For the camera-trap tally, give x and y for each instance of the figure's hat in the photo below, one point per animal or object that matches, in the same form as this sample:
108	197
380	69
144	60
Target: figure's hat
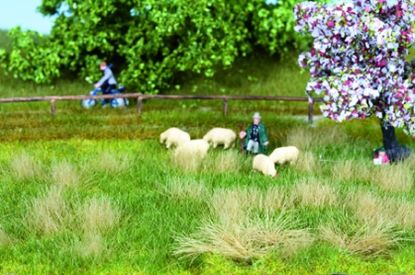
256	115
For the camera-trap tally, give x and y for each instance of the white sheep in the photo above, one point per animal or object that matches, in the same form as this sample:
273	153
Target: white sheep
174	137
265	165
285	154
220	136
191	150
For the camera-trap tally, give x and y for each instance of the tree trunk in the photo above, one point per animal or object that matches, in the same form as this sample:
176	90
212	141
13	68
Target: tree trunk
394	151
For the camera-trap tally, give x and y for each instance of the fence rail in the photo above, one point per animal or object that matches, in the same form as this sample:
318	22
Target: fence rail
142	97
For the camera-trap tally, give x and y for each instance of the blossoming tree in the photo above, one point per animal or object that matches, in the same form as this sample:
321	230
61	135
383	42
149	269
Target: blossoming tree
357	62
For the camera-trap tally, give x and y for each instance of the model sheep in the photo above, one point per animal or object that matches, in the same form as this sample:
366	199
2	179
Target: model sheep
220	136
265	165
285	154
191	150
174	137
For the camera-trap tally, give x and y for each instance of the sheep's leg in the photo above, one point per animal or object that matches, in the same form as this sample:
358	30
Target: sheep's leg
227	145
168	145
215	145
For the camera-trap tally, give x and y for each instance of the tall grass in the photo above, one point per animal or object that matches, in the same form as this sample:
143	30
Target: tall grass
373	210
305	137
236	232
224	161
394	178
24	167
245	241
91	245
110	162
48	213
277	199
5	239
64	173
313	193
366	240
307	162
98	215
182	189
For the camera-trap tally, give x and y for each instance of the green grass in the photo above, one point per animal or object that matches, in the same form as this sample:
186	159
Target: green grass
152	217
93	191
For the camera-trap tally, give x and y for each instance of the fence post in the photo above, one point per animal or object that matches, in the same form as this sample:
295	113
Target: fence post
139	104
310	109
53	106
225	106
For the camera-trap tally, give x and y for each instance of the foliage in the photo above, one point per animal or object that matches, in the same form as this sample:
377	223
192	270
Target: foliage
357	61
150	42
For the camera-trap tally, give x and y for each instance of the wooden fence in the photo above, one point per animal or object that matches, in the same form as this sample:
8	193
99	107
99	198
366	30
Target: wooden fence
140	98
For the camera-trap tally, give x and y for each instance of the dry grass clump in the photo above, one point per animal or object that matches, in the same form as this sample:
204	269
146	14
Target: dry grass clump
24	167
5	239
307	162
64	173
394	178
231	205
98	215
352	170
367	240
185	189
404	213
239	232
225	161
368	208
92	245
344	170
315	194
244	241
111	163
239	200
48	213
373	210
305	138
276	198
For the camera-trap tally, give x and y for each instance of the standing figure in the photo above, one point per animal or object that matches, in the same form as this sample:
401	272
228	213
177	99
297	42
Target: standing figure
255	137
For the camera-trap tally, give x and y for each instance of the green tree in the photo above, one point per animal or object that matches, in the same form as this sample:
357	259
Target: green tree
149	41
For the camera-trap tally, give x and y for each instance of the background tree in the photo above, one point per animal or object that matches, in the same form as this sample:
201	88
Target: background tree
149	41
357	62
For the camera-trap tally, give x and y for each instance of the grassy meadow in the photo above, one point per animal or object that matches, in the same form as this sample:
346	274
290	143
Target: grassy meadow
93	191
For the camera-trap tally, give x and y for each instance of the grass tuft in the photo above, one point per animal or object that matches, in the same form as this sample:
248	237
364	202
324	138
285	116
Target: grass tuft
92	245
315	194
47	213
230	205
373	210
277	198
5	239
307	162
394	178
367	240
185	189
111	163
237	231
98	215
64	173
224	161
305	138
245	241
24	167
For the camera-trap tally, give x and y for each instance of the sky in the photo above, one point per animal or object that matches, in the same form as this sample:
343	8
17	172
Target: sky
24	14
